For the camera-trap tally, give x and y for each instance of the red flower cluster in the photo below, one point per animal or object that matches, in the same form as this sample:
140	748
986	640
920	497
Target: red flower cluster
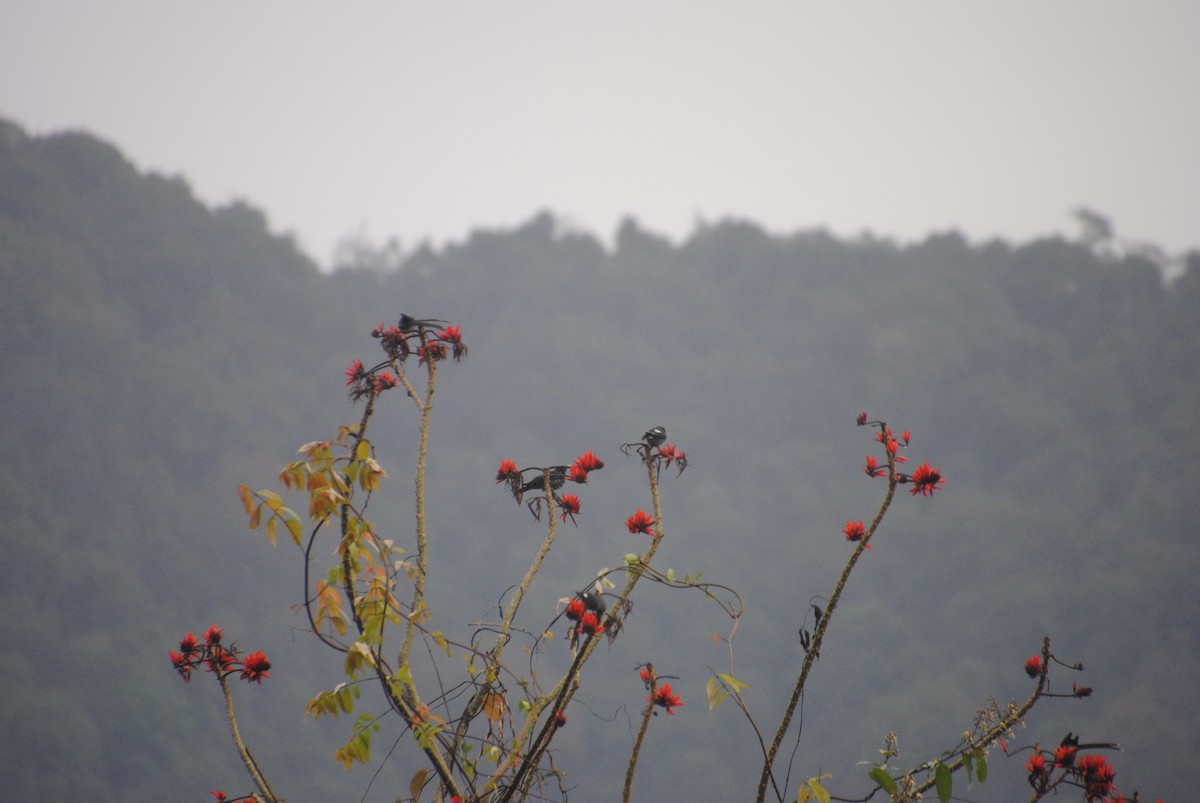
1092	772
508	471
1097	776
855	531
670	454
1033	666
214	656
585	621
584	465
664	697
570	506
640	522
925	480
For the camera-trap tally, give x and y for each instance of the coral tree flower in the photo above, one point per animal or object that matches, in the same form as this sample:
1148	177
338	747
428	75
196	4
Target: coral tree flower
590	625
570	506
855	531
508	471
640	522
925	480
255	666
664	697
1033	666
589	462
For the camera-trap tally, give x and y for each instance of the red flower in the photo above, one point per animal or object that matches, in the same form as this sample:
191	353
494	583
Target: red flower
861	419
579	474
255	666
1033	666
1064	755
384	381
645	676
905	436
183	665
926	480
1038	775
212	636
640	523
872	469
354	372
590	625
855	531
665	698
451	334
589	462
434	352
570	506
575	609
508	471
560	719
219	795
1098	776
188	645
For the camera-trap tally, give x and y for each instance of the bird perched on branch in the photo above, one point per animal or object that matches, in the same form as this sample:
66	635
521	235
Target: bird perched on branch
655	436
408	323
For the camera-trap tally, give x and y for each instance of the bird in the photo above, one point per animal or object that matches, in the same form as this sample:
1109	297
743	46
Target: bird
408	323
558	475
655	436
594	602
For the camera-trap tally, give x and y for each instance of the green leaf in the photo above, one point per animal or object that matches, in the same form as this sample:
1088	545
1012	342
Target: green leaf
812	790
885	782
362	452
980	766
944	782
970	765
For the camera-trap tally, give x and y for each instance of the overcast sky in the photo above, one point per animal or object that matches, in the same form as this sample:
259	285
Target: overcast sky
426	120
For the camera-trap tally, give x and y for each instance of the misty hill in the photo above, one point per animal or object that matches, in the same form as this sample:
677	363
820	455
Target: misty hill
157	352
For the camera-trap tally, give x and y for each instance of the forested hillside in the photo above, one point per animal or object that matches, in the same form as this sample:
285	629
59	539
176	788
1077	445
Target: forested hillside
155	353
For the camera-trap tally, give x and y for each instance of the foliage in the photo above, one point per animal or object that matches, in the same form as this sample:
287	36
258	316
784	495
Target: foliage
157	352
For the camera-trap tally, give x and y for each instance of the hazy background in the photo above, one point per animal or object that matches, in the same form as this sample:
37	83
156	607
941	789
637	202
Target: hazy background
156	350
423	120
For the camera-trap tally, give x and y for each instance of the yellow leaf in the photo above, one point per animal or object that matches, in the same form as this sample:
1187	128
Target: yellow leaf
270	529
296	530
247	499
363	450
417	784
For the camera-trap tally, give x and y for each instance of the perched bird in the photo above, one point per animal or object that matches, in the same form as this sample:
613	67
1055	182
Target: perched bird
594	602
408	323
558	475
655	436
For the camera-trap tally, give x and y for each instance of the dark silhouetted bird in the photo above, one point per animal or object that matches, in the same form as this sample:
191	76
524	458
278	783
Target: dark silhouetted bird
594	602
655	436
408	323
558	475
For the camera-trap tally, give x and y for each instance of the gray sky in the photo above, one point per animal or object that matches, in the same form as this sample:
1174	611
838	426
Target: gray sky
426	120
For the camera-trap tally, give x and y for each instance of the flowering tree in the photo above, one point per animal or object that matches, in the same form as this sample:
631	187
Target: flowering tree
488	739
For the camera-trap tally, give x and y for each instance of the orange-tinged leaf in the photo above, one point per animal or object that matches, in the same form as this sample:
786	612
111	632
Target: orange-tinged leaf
417	783
493	706
256	517
247	499
271	528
